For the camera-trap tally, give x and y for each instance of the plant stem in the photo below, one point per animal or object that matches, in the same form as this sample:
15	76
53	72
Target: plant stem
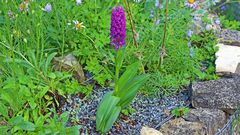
224	3
131	23
117	68
162	49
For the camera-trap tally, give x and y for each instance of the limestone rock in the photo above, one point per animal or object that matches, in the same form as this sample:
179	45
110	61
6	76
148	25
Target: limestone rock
196	122
179	126
69	63
223	94
212	119
149	131
227	60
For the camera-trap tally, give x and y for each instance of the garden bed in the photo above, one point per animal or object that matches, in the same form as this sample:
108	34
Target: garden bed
147	111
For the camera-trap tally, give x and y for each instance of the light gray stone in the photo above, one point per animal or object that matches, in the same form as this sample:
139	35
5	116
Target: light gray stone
196	122
212	119
149	131
227	60
69	63
179	126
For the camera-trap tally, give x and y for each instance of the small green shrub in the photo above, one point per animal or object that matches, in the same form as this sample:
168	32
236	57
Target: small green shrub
180	111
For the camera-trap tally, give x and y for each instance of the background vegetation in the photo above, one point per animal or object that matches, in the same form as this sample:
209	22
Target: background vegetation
30	37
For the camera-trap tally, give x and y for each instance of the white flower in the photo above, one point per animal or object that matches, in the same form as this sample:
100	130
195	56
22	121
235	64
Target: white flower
208	27
78	2
191	4
78	25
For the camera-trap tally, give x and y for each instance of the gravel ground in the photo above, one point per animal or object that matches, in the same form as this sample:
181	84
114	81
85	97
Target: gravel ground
149	112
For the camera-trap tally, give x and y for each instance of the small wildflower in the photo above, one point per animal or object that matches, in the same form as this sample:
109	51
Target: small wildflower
78	2
223	8
218	22
17	33
191	3
48	8
161	6
208	27
157	3
11	14
196	18
190	32
78	25
151	13
24	6
157	22
118	27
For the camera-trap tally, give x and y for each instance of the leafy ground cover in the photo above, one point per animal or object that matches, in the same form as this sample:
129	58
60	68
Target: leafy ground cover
33	33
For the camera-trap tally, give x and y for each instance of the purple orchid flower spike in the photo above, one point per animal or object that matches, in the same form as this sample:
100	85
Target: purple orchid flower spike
118	27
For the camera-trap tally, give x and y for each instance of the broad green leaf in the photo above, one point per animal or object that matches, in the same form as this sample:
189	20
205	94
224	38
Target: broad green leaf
129	91
3	110
73	130
42	92
32	103
64	117
26	125
19	62
112	118
48	61
4	129
26	115
52	75
105	110
12	98
16	120
128	75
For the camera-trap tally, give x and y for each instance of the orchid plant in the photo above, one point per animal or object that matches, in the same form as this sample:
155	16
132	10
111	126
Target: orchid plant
127	85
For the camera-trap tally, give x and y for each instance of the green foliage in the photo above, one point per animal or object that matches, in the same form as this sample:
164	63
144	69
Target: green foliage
29	87
126	88
180	111
230	24
178	67
56	125
107	112
128	111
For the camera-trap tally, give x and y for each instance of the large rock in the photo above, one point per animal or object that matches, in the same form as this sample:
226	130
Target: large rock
149	131
179	126
227	60
196	122
223	94
212	119
69	63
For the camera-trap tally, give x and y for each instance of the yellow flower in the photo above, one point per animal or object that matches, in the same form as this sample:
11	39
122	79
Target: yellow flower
78	25
191	1
24	6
